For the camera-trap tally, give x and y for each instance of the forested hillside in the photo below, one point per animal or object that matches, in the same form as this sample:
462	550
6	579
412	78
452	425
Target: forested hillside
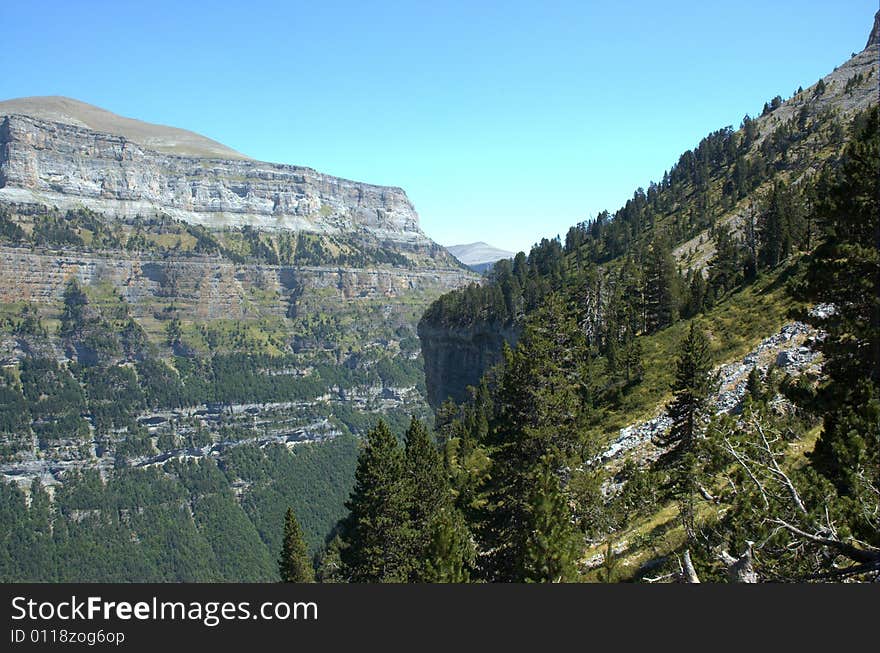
670	251
773	222
189	347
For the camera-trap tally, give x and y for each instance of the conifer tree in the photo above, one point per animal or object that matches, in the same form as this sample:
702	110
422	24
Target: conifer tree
661	287
781	226
294	565
635	368
725	266
755	385
425	475
691	387
539	404
844	274
440	546
330	568
450	555
377	533
551	544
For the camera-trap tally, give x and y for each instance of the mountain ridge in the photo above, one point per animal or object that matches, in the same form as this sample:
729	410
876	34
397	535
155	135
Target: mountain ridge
461	335
45	164
163	138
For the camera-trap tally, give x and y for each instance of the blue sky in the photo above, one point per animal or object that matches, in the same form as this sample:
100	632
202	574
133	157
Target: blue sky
504	121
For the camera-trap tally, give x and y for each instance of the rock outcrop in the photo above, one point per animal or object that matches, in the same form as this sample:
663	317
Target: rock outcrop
788	350
456	358
874	37
49	163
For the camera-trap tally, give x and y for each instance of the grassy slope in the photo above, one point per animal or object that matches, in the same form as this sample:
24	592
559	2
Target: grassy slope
734	327
657	536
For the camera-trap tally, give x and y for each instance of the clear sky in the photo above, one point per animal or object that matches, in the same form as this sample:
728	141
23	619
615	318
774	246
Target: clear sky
504	121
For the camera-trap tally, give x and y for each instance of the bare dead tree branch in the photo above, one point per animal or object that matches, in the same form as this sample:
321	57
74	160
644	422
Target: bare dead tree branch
658	579
740	570
748	471
776	469
705	493
687	568
869	555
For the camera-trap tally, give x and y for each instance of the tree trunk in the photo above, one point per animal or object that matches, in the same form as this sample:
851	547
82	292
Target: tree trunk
740	570
688	571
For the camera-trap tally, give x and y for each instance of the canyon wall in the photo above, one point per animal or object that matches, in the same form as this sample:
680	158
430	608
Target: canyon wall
54	164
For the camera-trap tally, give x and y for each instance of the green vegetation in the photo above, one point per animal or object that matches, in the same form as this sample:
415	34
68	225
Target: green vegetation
294	565
183	434
403	525
162	236
601	320
180	522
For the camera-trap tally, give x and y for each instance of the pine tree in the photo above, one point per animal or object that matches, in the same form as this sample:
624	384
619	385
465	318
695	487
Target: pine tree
293	564
635	368
450	555
781	226
691	388
377	532
551	543
692	385
751	243
661	287
440	546
755	385
844	274
425	474
539	404
725	266
330	568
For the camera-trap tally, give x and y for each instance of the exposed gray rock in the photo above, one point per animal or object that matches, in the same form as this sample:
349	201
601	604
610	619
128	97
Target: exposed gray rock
54	164
457	357
784	349
874	37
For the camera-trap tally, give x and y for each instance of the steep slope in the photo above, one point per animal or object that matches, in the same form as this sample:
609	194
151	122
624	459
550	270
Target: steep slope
192	335
687	424
721	183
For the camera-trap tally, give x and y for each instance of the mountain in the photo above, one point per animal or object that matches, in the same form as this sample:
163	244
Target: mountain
161	138
685	390
478	256
203	335
192	344
57	155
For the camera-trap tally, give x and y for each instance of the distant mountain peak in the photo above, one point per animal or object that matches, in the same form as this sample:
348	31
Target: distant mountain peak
478	256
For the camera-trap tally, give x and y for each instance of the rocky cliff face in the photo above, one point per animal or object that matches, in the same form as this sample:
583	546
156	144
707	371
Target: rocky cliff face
457	358
54	164
874	37
205	287
321	321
